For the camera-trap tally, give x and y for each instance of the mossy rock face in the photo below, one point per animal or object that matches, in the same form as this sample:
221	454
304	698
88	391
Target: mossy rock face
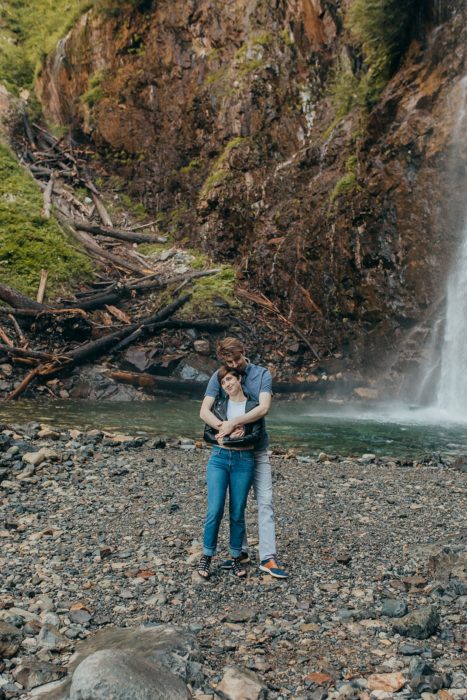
28	241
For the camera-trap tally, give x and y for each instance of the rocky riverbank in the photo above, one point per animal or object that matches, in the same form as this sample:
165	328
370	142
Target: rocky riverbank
99	535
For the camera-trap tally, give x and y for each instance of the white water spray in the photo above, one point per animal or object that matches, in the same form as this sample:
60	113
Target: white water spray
452	389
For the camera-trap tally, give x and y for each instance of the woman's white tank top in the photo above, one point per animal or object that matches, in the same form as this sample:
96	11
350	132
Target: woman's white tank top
235	409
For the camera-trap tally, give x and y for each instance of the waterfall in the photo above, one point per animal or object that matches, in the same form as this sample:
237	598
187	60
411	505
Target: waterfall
452	388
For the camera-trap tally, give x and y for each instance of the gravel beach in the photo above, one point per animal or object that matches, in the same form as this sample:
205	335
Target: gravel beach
101	533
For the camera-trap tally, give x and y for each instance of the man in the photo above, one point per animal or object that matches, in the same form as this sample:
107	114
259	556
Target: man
257	383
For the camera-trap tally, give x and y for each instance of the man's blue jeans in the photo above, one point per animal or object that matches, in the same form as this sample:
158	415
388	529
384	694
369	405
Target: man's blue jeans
232	469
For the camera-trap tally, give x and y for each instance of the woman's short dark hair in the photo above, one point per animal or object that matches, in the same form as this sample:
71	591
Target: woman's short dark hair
224	370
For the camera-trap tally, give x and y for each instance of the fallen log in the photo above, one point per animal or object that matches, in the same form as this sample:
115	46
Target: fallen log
101	210
97	301
6	339
47	195
209	326
94	348
120	234
154	381
18	300
27	129
42	171
153	283
12	351
24	384
102	254
18	331
42	286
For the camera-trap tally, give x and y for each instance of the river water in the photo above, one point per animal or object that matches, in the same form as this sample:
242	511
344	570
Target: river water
309	426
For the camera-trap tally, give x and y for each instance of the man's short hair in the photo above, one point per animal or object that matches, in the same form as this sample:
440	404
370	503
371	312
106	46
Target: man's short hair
230	346
224	371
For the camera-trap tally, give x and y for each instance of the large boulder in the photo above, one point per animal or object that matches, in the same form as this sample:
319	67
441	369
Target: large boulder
420	623
122	675
142	651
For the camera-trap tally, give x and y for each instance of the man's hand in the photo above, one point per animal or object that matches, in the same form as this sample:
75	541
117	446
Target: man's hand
226	427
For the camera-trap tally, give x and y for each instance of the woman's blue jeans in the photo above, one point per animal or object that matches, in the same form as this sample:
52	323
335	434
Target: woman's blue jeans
232	469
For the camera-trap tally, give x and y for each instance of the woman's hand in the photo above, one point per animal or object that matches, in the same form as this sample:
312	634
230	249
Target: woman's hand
237	432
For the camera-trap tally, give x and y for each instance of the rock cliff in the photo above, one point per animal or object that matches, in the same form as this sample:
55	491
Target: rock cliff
219	117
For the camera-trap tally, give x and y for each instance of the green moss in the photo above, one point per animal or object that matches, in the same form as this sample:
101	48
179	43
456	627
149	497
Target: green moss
207	289
351	164
29	30
262	39
287	37
247	59
346	184
219	171
137	209
28	241
199	260
192	165
95	91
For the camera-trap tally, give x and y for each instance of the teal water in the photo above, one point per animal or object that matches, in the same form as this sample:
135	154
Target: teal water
309	426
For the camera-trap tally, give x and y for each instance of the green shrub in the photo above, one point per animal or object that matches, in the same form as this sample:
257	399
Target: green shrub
382	30
344	90
28	241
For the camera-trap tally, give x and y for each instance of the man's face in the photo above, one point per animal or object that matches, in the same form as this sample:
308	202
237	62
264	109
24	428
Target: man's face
236	361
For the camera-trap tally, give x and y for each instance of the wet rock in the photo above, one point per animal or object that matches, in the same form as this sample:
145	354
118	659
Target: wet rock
239	684
120	675
202	347
420	624
364	392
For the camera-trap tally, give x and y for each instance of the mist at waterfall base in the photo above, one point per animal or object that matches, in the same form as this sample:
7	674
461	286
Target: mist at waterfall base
445	372
307	426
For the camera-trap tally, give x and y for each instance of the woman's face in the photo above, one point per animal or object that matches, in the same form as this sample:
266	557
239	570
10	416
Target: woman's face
231	384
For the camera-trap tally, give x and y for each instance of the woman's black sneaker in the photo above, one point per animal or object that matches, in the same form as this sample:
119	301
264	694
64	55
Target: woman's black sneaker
242	559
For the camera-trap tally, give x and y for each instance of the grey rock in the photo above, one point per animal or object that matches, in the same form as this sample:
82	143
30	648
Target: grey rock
51	639
449	566
121	675
410	649
32	674
239	684
419	667
394	608
420	623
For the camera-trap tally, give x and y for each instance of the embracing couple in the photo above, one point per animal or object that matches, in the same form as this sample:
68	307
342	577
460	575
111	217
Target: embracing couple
237	399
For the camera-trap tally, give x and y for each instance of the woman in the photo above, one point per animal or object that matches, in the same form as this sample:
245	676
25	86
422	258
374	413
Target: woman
231	466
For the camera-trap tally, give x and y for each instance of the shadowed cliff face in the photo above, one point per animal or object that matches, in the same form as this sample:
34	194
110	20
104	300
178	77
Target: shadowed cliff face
217	115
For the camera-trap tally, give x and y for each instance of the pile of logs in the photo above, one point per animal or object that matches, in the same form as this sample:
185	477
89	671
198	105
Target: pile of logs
128	275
